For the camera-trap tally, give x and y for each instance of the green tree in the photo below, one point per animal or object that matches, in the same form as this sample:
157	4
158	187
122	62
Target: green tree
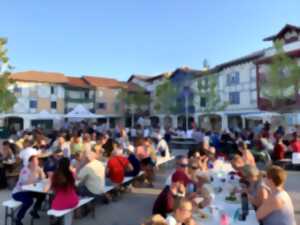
281	82
208	96
165	98
7	98
135	99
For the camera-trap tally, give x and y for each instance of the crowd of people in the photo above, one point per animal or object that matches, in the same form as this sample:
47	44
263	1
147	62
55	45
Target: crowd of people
78	162
191	179
85	158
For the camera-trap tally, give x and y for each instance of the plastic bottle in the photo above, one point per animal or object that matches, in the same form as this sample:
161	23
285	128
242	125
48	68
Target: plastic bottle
224	219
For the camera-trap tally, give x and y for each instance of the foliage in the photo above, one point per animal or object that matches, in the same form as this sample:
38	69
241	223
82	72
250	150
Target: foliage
208	90
7	98
282	80
165	98
134	100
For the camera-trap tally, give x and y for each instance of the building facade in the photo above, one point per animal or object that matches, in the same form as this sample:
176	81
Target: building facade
239	86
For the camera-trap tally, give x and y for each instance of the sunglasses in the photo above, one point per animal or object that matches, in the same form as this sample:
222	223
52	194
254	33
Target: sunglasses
194	167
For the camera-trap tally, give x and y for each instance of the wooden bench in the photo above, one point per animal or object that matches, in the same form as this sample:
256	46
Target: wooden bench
10	207
68	213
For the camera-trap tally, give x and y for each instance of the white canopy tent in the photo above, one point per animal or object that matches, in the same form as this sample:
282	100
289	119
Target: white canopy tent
80	112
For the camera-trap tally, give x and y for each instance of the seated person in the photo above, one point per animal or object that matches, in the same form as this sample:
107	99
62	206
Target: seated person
278	209
162	147
27	151
182	172
182	215
30	174
134	162
295	143
91	177
63	185
101	139
169	197
202	189
51	163
76	145
64	146
279	149
178	160
257	190
117	165
238	163
6	153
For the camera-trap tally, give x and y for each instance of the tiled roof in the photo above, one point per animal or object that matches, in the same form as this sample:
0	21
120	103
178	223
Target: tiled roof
147	78
103	82
139	77
38	76
243	59
282	31
77	82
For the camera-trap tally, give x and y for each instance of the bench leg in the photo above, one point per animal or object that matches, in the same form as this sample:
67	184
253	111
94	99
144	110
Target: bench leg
32	221
68	219
6	216
9	213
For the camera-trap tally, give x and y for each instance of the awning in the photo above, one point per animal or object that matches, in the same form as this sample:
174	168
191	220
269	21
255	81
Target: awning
262	115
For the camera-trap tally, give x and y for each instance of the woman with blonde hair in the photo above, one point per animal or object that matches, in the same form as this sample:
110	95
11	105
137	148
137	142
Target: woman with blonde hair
278	209
257	191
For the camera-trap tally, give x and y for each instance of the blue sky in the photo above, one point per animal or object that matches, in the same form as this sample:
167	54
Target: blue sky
117	38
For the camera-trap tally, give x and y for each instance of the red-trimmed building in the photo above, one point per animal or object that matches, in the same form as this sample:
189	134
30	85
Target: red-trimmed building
290	36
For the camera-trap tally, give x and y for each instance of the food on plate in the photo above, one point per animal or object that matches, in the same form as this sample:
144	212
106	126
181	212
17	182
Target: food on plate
232	197
203	215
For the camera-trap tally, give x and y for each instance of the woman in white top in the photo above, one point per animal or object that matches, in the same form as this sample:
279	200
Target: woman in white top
278	208
30	174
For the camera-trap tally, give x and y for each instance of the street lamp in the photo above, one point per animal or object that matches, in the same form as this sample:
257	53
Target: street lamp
186	93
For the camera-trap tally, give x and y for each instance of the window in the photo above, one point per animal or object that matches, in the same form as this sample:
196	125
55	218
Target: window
32	104
233	78
17	90
101	105
234	98
253	75
253	97
203	102
100	93
53	105
86	94
52	90
117	106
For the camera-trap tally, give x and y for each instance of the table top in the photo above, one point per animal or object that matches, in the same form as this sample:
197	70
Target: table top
40	186
37	187
220	204
9	162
